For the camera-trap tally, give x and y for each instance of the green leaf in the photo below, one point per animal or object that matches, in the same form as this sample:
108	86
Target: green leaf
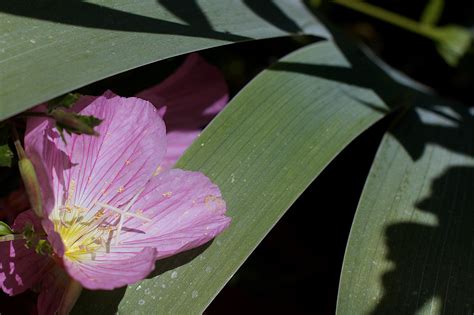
6	156
74	123
411	245
453	42
65	101
5	229
432	12
50	48
263	150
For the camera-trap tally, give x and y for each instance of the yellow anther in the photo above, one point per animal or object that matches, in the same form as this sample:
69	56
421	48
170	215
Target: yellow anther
158	170
167	194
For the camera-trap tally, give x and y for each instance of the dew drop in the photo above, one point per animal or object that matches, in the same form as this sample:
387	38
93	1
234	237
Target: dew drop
163	285
141	302
139	287
208	269
147	291
174	275
194	294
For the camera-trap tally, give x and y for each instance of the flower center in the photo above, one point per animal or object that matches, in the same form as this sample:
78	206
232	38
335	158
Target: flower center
83	236
85	232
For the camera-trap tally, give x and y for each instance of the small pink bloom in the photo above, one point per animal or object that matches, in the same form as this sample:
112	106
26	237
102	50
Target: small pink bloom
114	207
192	96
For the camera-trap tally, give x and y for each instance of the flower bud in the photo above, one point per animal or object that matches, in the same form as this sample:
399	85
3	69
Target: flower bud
30	180
32	187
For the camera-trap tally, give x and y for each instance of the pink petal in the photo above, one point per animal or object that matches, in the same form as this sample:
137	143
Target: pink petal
112	166
21	268
178	142
193	95
185	208
112	270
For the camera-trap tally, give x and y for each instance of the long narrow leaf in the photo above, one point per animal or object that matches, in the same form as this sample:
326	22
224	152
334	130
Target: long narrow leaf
411	245
263	150
48	48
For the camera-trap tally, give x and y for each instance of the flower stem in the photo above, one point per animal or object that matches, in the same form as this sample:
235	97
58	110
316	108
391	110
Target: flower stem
12	237
391	17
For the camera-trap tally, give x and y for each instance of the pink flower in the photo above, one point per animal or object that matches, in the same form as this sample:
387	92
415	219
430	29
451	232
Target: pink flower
113	205
192	96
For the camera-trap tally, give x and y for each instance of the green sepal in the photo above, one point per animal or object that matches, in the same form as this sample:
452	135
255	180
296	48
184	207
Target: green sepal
28	231
43	247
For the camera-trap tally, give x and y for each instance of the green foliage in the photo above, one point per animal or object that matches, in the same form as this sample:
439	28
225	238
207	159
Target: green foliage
453	42
408	242
69	121
5	229
74	123
68	44
6	155
65	101
43	247
432	12
410	245
262	157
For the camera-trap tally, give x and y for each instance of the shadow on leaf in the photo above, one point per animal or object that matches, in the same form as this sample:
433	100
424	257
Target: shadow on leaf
90	15
433	263
365	70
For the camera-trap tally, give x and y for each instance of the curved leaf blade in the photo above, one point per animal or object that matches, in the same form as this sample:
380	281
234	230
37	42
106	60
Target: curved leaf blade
49	48
410	248
263	150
